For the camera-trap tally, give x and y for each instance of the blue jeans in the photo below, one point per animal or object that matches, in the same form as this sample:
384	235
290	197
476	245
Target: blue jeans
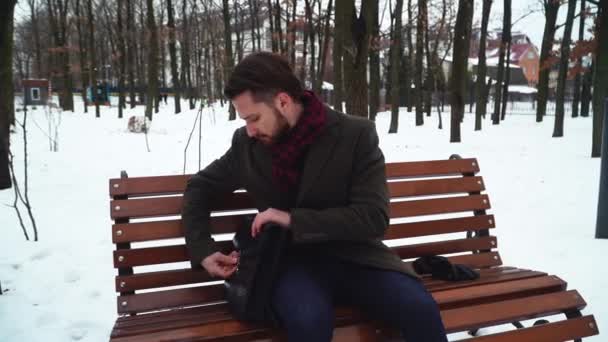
309	287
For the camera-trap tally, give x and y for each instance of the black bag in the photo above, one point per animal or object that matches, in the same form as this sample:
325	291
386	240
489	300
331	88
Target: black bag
441	268
249	290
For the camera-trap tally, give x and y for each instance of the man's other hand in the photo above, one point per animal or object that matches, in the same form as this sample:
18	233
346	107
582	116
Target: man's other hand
221	265
282	218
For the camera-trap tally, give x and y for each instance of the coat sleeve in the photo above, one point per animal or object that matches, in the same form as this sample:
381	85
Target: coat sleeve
218	178
366	215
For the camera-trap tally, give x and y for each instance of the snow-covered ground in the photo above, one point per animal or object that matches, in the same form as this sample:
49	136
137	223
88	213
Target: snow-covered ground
543	191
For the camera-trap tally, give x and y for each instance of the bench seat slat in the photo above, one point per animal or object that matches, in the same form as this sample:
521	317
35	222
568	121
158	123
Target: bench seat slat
178	253
435	186
444	226
439	206
169	206
552	332
446	297
150	280
432	168
169	229
146	186
458	319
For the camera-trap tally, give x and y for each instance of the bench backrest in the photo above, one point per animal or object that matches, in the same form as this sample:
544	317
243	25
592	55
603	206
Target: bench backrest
430	201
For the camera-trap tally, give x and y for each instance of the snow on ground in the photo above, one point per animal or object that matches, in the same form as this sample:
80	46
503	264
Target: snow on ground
543	192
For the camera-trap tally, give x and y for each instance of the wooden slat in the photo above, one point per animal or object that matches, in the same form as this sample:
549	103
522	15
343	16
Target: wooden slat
439	206
172	298
151	280
169	298
432	168
435	186
142	186
448	298
158	255
472	295
148	185
158	230
542	305
165	206
481	260
445	247
178	253
552	332
484	315
444	226
168	229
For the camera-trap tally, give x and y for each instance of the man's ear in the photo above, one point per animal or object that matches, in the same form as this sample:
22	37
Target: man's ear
282	100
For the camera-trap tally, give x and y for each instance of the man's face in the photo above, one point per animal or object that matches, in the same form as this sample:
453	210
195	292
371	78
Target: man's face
264	122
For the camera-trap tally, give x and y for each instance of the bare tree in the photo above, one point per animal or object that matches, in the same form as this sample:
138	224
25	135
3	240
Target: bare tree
173	56
374	62
551	8
395	52
6	84
355	59
152	93
131	52
58	13
481	90
579	62
558	129
418	76
498	90
462	35
339	32
228	58
92	59
600	81
507	75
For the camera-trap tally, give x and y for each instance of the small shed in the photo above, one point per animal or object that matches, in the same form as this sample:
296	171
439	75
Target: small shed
36	91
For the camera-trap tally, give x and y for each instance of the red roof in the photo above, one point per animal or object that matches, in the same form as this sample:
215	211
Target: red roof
35	83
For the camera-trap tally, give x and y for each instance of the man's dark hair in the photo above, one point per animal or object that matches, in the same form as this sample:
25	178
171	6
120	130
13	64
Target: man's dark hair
265	74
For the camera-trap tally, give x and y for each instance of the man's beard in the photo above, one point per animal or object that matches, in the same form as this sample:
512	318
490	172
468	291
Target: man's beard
281	133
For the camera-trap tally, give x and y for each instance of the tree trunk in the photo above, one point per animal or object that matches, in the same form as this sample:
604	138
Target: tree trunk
173	55
459	66
339	31
374	62
498	90
271	15
130	54
277	26
418	76
480	108
7	97
84	79
600	81
395	52
92	63
318	88
411	58
507	34
228	59
122	58
36	32
355	60
551	9
558	128
586	91
311	36
579	62
152	93
238	31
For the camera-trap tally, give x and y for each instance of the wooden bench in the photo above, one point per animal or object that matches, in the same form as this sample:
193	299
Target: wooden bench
431	203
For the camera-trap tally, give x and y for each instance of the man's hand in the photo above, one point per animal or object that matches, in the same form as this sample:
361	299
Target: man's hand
221	265
282	218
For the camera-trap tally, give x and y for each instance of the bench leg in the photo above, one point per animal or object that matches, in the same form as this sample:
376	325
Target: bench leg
574	314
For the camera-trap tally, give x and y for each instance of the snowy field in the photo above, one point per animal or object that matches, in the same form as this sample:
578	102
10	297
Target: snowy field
543	192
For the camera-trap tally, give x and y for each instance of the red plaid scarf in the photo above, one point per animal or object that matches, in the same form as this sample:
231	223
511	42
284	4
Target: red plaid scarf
287	153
